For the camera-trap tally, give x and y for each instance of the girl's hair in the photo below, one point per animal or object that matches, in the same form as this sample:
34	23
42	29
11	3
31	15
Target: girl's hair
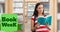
35	10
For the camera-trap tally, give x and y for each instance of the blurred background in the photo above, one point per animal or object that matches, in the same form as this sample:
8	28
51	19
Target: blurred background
25	8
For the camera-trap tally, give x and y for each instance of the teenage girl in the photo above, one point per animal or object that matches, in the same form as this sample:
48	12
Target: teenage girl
39	11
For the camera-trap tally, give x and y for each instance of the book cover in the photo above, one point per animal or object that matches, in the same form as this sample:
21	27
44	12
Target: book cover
44	20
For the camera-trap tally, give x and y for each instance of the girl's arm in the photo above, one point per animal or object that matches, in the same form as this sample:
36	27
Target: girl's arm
32	25
47	26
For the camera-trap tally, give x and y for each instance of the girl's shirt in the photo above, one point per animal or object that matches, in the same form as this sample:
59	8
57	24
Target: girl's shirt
35	19
41	27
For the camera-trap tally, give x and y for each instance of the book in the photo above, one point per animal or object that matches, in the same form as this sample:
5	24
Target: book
44	20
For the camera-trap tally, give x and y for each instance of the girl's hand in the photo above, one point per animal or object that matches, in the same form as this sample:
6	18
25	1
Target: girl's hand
48	27
33	29
37	26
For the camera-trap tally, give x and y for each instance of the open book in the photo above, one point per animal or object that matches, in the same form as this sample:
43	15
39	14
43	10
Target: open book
44	20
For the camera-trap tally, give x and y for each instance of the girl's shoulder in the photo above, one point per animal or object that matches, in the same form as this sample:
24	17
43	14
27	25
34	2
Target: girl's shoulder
45	15
32	18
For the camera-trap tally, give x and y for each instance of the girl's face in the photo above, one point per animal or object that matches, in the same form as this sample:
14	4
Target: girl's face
40	9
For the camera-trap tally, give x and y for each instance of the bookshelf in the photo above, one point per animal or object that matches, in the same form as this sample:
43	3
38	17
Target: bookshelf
2	9
18	6
58	14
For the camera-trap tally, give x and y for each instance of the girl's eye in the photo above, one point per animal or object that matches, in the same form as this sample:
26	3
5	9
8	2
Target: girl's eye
39	8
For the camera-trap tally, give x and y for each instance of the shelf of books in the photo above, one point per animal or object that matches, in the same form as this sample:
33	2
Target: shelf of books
18	9
58	16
